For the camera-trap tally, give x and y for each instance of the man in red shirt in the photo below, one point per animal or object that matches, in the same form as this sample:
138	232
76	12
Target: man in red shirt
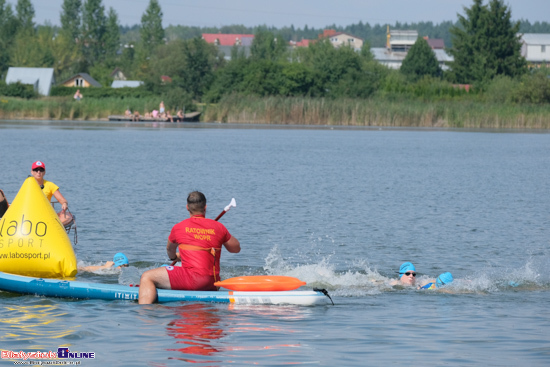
200	242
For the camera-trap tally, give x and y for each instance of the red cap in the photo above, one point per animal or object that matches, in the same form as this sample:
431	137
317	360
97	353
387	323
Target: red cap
38	164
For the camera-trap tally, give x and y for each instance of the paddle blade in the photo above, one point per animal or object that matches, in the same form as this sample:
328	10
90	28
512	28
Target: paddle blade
261	283
233	204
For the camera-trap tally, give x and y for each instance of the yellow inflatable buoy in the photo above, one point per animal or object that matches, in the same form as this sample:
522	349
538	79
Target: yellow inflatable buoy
33	241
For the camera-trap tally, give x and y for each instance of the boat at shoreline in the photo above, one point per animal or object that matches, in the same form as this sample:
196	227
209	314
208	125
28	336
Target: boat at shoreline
187	117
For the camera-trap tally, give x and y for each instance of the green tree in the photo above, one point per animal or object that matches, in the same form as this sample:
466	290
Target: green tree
33	50
190	64
67	55
152	33
263	78
200	59
505	58
8	29
485	44
335	68
237	52
366	52
93	30
420	61
25	16
533	88
70	18
299	80
228	79
267	46
112	35
127	60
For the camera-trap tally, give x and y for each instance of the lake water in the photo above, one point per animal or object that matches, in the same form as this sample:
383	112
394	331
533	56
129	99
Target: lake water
340	209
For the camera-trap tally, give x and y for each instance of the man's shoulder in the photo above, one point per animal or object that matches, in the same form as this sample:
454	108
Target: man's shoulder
203	222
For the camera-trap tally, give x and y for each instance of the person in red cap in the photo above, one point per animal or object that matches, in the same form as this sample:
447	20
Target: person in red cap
48	188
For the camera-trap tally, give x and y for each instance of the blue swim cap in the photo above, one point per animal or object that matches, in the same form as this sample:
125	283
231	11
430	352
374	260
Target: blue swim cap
405	267
120	259
444	279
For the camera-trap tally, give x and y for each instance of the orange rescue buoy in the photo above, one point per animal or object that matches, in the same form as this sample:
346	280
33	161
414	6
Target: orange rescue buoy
261	283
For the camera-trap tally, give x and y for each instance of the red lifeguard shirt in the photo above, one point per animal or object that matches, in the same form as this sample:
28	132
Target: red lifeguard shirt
202	232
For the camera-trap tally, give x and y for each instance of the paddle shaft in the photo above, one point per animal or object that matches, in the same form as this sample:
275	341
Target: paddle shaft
217	218
220	215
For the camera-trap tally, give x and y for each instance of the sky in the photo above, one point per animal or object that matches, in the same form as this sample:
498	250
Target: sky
280	13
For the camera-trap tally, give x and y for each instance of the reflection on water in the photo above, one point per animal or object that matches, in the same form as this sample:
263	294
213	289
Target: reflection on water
196	328
338	209
20	323
200	329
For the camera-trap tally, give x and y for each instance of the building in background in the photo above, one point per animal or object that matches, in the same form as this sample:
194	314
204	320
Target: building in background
41	79
535	47
303	43
398	44
117	74
339	39
126	83
80	80
226	42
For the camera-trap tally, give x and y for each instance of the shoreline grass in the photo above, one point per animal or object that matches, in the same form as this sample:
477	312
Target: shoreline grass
65	108
464	113
375	111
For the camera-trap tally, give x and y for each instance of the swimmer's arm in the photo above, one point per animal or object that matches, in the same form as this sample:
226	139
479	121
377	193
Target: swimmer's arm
107	265
233	245
430	281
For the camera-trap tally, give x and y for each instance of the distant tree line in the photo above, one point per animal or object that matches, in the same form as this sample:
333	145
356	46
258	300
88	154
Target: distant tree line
485	49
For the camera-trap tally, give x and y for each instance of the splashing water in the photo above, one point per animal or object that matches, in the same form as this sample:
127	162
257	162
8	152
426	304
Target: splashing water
361	279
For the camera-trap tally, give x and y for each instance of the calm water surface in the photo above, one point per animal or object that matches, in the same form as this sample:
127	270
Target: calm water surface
340	209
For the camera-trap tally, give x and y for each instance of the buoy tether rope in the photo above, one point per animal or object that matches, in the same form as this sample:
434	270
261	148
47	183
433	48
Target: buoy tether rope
325	292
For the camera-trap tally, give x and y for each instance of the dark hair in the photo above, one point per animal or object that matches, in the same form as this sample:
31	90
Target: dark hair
196	201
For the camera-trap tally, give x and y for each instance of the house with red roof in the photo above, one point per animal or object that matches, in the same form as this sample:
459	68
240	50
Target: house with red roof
435	43
302	43
219	39
339	39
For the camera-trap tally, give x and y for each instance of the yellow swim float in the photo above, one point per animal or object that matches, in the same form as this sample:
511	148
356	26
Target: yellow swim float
33	242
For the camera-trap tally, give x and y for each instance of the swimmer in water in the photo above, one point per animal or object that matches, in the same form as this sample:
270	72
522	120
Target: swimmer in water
442	280
119	260
407	275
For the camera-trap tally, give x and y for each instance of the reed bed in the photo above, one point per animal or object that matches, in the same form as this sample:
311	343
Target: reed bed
377	111
65	108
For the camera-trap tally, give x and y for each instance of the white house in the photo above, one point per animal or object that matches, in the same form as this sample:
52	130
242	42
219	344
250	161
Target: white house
535	47
400	40
343	39
41	79
126	83
398	44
